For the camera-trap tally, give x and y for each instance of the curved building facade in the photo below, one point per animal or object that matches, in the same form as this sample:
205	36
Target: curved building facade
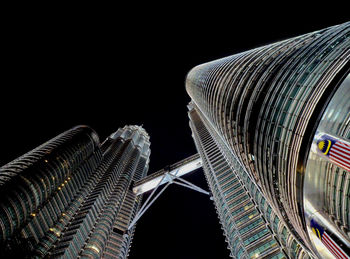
71	196
268	105
251	227
31	181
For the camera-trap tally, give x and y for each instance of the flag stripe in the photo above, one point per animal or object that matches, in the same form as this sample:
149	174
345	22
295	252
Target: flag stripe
340	160
330	249
341	150
334	246
346	161
343	143
340	154
339	163
338	157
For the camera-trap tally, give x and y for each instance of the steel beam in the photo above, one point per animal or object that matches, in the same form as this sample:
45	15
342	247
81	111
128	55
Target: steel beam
178	169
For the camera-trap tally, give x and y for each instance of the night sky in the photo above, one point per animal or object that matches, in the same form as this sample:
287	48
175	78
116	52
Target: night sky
124	66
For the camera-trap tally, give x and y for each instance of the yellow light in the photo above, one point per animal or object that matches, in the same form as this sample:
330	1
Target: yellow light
59	188
68	178
33	214
65	181
55	231
62	184
46	161
94	248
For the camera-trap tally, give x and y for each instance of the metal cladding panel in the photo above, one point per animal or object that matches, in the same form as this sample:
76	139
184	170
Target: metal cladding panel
245	227
72	196
265	103
327	178
240	202
32	182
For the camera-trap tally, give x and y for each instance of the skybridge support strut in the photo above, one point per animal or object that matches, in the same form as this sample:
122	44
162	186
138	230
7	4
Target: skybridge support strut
166	176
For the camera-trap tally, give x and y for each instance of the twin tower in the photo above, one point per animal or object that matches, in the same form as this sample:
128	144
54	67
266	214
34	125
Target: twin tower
272	129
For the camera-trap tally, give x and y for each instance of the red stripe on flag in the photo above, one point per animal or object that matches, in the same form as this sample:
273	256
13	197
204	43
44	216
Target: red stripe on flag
327	239
331	250
340	150
339	163
341	159
343	143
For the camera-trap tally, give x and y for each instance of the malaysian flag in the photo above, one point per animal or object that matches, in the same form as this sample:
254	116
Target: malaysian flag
331	245
337	151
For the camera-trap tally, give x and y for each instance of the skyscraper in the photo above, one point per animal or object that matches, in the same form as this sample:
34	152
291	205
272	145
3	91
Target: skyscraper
71	196
271	126
267	123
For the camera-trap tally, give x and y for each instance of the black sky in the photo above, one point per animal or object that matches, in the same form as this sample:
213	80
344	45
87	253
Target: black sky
107	67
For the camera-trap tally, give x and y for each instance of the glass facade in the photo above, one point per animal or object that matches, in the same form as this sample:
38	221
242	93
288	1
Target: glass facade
272	127
262	107
327	177
71	196
241	206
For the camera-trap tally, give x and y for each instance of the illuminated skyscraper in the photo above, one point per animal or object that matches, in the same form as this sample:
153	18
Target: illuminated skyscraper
71	196
251	227
272	128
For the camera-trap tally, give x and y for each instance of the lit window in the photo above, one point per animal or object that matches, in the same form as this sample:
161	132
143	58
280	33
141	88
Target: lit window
56	231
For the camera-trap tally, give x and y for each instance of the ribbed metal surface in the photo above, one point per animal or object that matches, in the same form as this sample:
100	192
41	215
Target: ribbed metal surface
71	197
264	103
240	202
327	175
33	181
